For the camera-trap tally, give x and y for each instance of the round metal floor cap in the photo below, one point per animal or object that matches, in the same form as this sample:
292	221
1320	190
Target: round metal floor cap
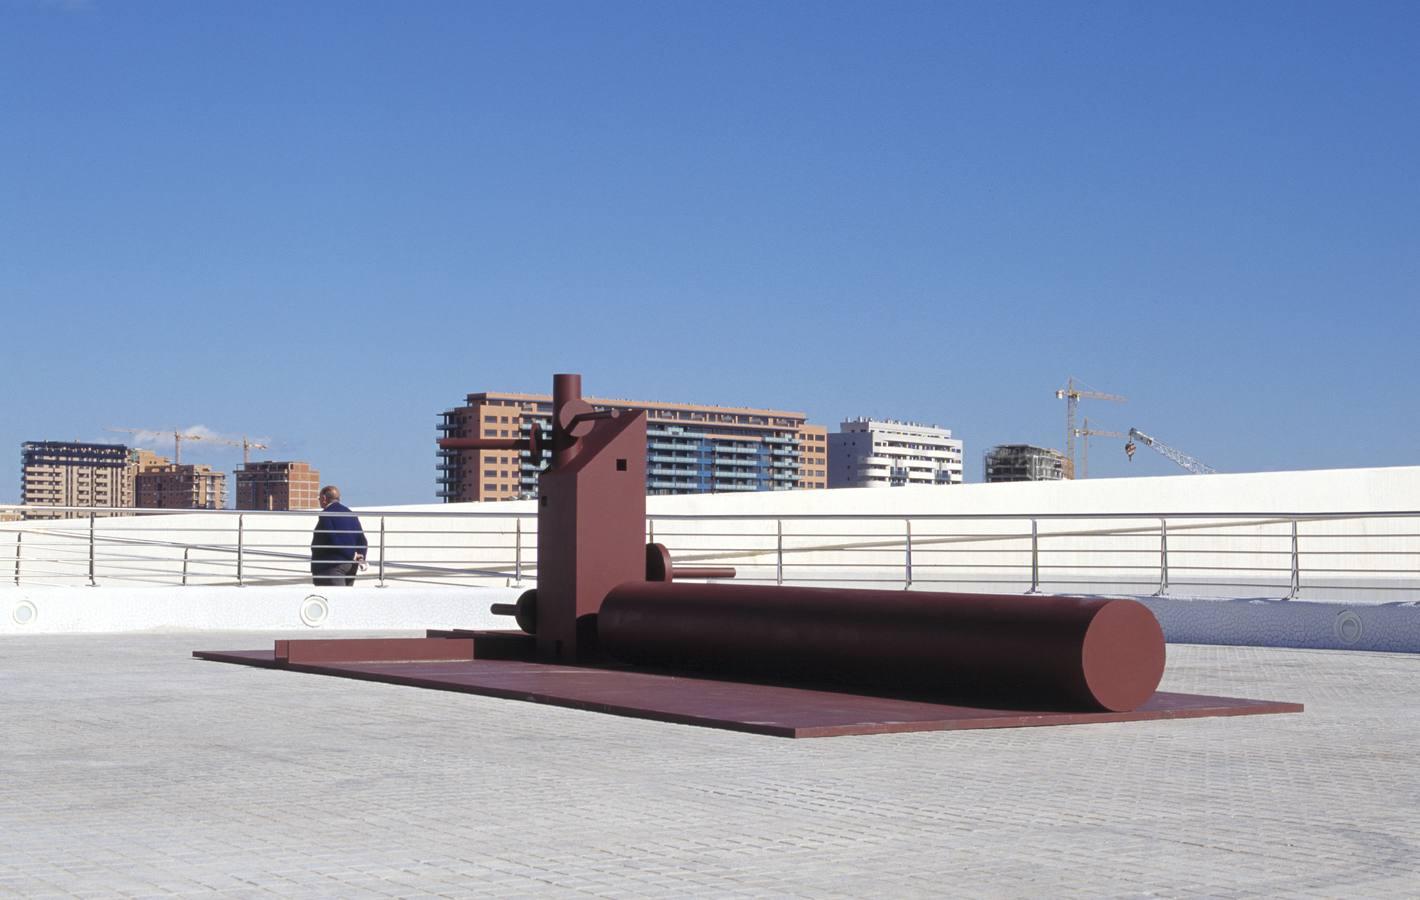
1348	627
315	609
24	613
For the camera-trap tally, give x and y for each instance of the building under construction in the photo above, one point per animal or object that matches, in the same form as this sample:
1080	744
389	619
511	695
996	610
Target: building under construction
278	485
1024	462
171	486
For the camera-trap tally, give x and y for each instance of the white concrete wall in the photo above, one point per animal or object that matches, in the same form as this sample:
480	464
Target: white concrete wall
1377	558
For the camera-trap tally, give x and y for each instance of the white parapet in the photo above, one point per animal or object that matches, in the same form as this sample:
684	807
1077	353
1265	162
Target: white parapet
1349	536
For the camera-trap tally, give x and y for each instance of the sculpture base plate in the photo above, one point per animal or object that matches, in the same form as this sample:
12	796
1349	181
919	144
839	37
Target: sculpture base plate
485	663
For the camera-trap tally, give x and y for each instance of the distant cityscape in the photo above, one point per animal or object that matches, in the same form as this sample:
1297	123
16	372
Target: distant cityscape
691	449
78	474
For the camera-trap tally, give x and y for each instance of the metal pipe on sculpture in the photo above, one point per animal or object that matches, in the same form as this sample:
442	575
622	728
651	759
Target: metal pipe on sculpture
659	567
1051	651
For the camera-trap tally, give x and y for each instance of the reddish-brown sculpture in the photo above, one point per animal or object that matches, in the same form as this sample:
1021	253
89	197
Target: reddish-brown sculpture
1059	652
785	660
591	521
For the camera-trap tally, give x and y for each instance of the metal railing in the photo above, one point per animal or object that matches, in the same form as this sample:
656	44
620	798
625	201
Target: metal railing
109	545
1277	555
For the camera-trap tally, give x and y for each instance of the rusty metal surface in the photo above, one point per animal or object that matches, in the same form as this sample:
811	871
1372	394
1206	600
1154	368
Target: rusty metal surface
315	651
1041	651
524	611
265	659
702	572
660	567
511	645
738	706
591	521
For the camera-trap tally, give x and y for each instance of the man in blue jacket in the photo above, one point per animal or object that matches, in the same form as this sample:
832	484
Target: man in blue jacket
338	545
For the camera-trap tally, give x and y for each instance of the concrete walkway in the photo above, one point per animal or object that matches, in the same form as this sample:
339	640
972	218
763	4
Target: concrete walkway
129	768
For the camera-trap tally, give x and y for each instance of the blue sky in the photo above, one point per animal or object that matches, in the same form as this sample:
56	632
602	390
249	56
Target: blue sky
323	223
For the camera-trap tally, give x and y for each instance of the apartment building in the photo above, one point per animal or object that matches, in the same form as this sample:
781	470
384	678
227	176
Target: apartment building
690	448
140	460
72	473
868	452
1024	462
273	485
173	486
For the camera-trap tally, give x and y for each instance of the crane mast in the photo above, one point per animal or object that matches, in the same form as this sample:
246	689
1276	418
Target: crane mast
1178	456
1087	432
1072	394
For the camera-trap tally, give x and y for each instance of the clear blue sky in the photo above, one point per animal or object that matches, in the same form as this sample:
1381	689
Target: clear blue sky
326	222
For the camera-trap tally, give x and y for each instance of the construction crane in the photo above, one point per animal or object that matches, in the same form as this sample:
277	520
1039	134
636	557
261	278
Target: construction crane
1072	394
178	438
1178	456
246	445
1087	432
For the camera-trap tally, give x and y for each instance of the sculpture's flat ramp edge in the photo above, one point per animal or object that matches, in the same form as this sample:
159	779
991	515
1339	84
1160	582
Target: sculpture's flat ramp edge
737	706
265	659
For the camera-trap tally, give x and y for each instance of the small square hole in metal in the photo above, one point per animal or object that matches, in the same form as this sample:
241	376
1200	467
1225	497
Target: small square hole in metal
621	465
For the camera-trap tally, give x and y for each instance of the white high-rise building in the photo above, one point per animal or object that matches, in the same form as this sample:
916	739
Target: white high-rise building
884	452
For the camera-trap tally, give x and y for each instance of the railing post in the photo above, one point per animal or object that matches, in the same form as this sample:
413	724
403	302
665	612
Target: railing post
1296	566
93	582
779	551
907	562
650	530
240	540
1163	558
18	536
382	552
1034	557
185	552
518	552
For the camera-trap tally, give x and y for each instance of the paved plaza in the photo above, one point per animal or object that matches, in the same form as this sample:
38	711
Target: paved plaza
130	769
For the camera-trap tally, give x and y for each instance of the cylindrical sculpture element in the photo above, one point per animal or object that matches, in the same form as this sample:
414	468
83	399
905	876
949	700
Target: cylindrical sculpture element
1033	651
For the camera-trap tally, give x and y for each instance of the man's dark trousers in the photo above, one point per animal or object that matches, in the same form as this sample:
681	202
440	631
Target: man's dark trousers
334	573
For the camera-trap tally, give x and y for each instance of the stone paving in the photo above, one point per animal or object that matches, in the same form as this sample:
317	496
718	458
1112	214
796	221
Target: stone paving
130	769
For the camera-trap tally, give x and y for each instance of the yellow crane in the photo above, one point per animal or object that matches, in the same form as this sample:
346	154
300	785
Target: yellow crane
1072	394
1087	432
245	443
178	437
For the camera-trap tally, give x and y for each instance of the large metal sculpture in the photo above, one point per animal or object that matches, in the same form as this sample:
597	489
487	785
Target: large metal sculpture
591	520
620	634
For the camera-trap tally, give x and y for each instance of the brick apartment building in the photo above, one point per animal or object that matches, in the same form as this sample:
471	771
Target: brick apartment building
173	486
690	448
277	485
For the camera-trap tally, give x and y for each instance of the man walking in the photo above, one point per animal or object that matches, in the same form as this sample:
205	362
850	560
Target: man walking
338	545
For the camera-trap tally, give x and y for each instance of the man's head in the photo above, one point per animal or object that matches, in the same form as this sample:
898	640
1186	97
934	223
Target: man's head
328	495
